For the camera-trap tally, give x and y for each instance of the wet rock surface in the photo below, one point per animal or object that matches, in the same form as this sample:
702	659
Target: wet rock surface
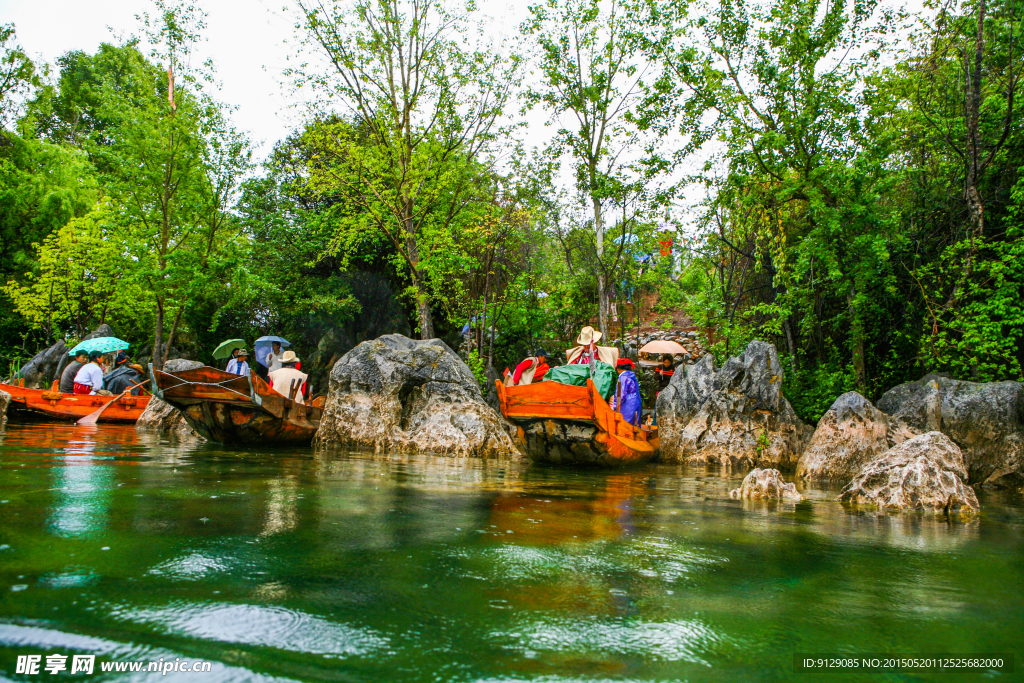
925	473
162	417
986	420
735	415
766	484
401	395
851	434
5	400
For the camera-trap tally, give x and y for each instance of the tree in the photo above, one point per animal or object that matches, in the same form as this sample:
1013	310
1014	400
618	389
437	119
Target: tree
80	279
425	109
594	73
18	75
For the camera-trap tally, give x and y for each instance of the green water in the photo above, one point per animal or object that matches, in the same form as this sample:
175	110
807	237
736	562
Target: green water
290	565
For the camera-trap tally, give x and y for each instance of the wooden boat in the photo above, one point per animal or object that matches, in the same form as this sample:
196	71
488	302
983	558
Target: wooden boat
51	404
570	425
236	409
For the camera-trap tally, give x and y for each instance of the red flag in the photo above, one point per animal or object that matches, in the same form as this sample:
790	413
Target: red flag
170	87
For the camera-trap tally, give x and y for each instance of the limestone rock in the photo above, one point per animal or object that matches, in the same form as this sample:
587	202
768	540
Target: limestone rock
766	484
395	394
5	400
736	415
47	365
924	473
164	418
850	435
986	420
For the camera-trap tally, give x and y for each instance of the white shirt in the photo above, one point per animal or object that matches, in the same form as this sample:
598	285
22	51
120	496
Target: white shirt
274	360
237	367
91	374
282	381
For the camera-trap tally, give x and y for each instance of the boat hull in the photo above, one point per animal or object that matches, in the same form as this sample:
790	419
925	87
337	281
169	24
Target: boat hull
34	405
568	425
231	409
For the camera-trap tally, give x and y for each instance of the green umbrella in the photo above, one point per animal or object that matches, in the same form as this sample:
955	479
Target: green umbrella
225	349
101	344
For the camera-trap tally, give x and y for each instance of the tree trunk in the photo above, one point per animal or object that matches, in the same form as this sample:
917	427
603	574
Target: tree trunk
158	337
973	105
426	322
602	284
170	338
857	345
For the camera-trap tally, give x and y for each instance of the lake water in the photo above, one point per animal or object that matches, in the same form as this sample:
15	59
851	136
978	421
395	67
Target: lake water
294	565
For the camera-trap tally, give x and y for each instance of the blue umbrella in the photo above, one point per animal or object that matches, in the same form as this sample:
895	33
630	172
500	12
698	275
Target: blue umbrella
629	238
101	344
265	345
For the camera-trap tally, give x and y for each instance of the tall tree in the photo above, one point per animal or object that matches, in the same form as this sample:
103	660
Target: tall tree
426	106
598	67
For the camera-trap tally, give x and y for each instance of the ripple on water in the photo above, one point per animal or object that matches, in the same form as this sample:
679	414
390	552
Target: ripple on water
266	626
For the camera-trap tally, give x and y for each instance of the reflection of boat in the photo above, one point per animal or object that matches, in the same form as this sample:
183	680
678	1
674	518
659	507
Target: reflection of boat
236	409
570	425
42	404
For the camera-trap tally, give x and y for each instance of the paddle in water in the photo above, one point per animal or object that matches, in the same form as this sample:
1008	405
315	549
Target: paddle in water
94	416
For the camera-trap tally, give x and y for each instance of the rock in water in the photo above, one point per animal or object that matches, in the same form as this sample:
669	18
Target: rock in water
924	473
850	435
5	400
766	484
736	415
986	420
163	417
397	394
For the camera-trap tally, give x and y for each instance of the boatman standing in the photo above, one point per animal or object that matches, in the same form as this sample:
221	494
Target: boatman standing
282	380
274	357
586	349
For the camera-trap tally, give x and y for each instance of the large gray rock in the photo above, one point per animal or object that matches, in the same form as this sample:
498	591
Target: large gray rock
924	473
986	420
736	415
46	366
849	436
162	417
394	394
766	484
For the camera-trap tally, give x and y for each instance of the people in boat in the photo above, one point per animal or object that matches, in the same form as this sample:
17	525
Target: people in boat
665	371
530	370
124	376
586	349
239	365
282	380
67	378
626	400
89	379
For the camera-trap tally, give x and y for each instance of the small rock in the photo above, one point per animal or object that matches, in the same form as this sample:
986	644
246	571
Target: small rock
850	435
766	484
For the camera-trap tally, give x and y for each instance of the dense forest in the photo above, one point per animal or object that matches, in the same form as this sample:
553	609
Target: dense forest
840	178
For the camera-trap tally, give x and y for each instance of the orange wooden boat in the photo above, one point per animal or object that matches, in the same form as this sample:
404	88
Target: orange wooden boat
570	425
51	404
235	409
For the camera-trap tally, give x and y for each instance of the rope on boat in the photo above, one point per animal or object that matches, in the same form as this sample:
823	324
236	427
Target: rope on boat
205	384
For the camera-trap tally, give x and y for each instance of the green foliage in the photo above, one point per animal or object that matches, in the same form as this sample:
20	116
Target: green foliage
477	365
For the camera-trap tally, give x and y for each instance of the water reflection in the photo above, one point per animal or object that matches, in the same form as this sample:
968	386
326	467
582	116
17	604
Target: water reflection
313	566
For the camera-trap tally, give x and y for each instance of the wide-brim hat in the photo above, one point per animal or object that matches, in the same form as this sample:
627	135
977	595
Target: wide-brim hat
241	352
588	335
289	357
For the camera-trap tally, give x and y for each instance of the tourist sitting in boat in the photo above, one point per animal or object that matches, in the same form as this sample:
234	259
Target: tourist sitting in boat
530	370
239	365
89	379
67	378
586	348
282	380
627	392
665	372
124	376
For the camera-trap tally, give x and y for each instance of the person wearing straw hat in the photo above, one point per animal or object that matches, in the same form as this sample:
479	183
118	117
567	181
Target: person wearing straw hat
239	365
586	349
529	371
283	379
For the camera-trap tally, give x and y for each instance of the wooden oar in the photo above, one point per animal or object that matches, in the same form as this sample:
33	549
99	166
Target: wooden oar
92	417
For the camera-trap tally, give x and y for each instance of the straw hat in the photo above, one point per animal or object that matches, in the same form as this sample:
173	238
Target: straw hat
242	353
289	357
587	335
